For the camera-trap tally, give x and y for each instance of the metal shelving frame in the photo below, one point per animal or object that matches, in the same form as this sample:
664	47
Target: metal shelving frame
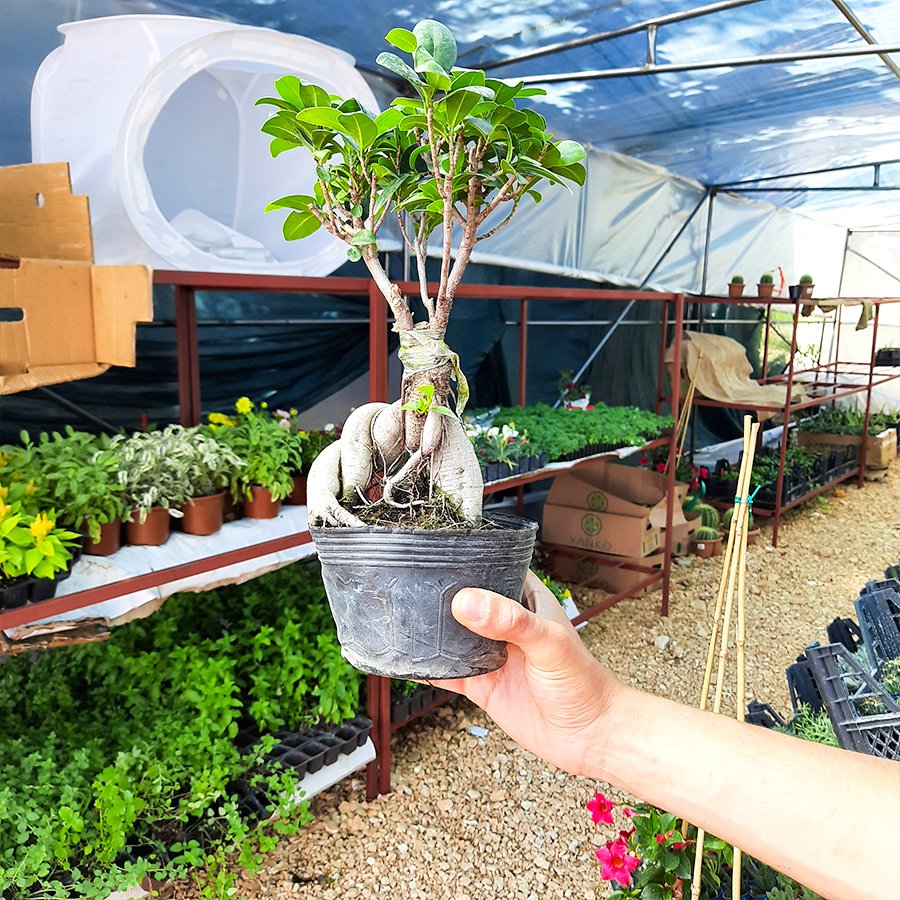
826	384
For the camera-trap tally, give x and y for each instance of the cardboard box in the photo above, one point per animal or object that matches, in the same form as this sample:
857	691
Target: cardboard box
620	490
880	448
600	532
600	570
63	318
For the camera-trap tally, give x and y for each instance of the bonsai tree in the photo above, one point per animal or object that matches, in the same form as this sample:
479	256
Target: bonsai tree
457	156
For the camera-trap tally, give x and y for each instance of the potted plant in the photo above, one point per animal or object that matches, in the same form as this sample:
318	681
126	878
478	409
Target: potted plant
34	552
752	530
707	542
736	286
76	474
205	467
572	394
396	504
807	285
765	286
154	489
270	453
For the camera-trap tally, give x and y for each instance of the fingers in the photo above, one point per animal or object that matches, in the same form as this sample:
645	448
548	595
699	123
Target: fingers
540	599
502	619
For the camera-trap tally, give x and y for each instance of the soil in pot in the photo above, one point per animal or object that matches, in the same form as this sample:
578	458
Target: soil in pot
203	515
110	539
390	591
260	505
297	497
152	532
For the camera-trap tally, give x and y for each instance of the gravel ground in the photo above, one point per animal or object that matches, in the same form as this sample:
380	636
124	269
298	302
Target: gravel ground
480	818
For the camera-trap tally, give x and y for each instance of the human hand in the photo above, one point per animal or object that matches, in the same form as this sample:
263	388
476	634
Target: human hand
551	696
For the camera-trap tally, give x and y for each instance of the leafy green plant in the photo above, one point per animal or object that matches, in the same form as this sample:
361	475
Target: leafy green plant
75	475
497	444
811	726
890	675
205	465
452	156
272	453
32	544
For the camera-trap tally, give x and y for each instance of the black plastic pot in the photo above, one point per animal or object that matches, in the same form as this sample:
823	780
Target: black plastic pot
15	593
390	591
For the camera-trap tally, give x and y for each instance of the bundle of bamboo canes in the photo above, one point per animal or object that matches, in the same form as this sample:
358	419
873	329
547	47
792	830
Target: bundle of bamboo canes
731	595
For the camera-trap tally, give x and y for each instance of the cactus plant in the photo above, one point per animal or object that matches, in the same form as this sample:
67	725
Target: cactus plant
737	279
729	515
706	534
806	279
767	278
709	516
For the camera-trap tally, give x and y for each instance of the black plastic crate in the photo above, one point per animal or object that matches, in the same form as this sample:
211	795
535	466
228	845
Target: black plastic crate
844	685
802	684
763	714
846	632
878	612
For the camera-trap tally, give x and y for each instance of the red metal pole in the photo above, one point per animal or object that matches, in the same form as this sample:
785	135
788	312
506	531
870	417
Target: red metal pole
661	371
863	448
765	359
785	431
187	355
523	352
372	769
384	718
378	346
670	475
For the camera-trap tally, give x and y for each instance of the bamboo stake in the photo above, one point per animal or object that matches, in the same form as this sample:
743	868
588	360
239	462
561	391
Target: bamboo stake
733	564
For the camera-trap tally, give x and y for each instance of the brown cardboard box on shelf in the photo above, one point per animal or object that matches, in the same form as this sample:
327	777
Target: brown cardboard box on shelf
600	532
601	570
64	318
880	448
621	490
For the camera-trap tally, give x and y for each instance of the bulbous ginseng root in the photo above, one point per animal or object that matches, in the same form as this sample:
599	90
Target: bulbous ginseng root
371	445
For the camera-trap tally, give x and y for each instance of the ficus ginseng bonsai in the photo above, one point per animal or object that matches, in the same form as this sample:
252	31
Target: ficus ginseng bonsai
458	155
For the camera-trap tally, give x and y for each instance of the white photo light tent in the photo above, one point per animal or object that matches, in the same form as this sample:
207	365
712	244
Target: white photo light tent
156	116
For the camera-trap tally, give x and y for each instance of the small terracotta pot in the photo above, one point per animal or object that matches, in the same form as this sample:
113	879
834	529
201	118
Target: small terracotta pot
735	289
110	539
764	290
752	536
708	549
152	532
203	515
297	497
806	291
260	504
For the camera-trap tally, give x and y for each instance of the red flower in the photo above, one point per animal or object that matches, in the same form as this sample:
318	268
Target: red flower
624	835
662	838
628	813
660	467
590	406
680	845
617	863
601	809
644	461
704	472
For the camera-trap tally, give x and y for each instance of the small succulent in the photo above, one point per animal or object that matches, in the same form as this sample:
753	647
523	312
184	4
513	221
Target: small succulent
709	516
706	534
737	279
766	278
806	279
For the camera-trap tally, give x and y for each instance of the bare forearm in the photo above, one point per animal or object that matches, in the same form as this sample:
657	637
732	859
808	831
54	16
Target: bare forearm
828	818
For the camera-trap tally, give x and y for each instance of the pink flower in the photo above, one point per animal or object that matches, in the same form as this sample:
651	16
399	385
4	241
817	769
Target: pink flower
704	472
601	809
624	835
616	862
627	812
284	423
680	845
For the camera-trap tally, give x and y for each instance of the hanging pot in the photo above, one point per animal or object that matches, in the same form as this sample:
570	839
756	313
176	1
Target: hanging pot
110	539
297	497
152	532
203	515
390	591
260	505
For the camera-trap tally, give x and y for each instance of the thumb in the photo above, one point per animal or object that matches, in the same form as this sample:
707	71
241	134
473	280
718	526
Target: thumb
501	619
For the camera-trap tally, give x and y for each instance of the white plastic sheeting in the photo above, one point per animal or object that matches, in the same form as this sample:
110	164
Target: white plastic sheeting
155	115
618	227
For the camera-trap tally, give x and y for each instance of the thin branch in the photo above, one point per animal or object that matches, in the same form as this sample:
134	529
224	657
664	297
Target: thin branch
447	194
421	248
403	316
496	228
501	196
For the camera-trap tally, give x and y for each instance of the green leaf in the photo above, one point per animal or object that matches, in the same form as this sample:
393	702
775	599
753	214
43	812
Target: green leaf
274	101
288	87
436	39
321	116
354	254
393	63
402	39
389	119
363	238
300	225
293	201
313	95
359	127
570	152
283	128
457	105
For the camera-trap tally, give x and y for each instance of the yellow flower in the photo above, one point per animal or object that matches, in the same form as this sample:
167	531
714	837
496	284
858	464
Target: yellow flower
4	492
4	459
566	594
218	418
4	509
264	405
292	411
29	491
41	527
243	405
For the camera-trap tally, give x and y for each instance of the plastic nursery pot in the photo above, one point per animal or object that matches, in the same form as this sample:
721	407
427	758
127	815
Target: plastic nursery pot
260	505
152	532
297	497
390	591
15	592
110	539
708	549
795	291
203	515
